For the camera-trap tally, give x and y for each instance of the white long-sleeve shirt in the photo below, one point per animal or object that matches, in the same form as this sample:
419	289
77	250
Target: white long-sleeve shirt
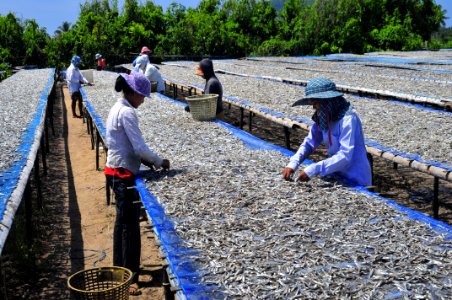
346	156
153	74
141	62
73	78
126	146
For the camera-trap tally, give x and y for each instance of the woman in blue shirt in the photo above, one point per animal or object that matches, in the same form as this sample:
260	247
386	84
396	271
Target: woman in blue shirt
339	127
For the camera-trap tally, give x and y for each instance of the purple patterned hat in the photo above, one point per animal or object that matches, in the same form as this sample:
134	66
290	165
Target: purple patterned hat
138	82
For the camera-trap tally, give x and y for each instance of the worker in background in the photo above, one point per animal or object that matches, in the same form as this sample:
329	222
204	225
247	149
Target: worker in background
213	85
101	65
339	127
152	73
75	79
142	60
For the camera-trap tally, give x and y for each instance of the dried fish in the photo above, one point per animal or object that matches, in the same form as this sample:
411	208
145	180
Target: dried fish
260	237
20	95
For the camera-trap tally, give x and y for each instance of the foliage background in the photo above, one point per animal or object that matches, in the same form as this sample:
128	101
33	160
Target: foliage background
225	28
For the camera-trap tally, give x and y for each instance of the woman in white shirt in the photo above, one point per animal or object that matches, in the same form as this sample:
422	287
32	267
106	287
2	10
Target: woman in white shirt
126	151
74	79
152	73
142	60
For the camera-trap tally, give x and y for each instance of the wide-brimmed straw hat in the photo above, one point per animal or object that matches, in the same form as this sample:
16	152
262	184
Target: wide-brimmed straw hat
319	88
145	50
138	82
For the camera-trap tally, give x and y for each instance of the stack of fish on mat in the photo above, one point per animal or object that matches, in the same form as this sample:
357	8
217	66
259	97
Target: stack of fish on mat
259	237
412	130
20	95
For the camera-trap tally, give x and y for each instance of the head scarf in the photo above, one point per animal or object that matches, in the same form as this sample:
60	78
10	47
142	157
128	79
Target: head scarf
206	66
331	110
76	60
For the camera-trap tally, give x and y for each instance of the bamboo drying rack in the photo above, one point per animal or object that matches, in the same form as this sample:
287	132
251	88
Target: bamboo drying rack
289	124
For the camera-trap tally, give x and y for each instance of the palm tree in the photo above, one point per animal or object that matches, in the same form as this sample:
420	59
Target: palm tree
63	28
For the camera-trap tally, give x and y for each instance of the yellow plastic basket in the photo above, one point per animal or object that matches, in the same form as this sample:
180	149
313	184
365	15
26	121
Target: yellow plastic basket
100	283
203	107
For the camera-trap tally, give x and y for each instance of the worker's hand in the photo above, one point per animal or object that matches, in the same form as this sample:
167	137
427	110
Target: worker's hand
166	164
287	174
148	164
303	177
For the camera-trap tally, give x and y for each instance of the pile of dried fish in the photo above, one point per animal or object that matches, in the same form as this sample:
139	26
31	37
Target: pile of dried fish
404	128
433	63
259	237
444	56
354	75
20	95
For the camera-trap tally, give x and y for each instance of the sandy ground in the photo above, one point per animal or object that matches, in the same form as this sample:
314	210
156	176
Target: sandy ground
74	229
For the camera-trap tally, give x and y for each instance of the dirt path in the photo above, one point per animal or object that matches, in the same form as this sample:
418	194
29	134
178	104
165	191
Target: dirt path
74	230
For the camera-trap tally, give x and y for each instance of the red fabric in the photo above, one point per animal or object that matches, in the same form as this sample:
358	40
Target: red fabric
118	172
101	63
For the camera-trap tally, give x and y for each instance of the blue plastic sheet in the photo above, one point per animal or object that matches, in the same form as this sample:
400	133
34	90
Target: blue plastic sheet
253	142
10	177
97	120
181	258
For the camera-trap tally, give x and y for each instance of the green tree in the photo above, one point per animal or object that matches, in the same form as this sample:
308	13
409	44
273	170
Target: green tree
11	42
177	37
63	28
35	39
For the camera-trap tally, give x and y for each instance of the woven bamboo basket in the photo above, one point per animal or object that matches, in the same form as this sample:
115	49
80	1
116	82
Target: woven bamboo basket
104	283
203	107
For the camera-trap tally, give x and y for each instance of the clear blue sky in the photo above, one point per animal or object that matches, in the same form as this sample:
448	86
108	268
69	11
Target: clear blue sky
52	13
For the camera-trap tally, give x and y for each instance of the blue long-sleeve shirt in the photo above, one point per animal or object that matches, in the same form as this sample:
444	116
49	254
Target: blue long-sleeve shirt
346	156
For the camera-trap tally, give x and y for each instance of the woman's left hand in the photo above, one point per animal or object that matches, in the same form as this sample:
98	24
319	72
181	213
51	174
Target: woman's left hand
166	164
303	177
